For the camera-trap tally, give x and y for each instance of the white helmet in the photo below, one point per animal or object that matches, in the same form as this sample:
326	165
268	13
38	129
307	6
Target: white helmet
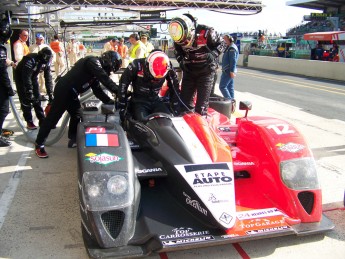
182	30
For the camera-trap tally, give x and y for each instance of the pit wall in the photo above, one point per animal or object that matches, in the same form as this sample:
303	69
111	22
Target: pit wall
312	68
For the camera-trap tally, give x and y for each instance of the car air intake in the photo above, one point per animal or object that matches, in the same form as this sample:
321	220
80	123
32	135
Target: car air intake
113	222
307	201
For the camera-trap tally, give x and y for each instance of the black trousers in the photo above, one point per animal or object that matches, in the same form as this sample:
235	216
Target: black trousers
64	100
4	105
200	84
142	107
27	106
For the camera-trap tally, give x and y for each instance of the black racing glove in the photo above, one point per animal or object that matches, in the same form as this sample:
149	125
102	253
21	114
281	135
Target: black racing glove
210	58
11	92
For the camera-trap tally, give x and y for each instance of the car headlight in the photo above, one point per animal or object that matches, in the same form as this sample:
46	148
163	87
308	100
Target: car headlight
105	190
299	174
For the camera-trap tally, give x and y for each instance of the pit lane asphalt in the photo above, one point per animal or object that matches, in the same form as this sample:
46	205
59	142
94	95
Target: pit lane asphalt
39	213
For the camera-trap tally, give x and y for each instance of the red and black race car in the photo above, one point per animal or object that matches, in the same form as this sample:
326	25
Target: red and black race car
190	181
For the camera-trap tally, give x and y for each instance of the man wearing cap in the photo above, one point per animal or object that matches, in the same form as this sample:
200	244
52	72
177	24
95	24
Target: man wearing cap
148	45
35	48
20	47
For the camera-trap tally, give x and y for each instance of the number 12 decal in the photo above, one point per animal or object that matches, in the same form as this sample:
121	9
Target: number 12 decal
281	129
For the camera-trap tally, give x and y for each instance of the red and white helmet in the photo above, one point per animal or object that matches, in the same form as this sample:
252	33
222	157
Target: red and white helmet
158	64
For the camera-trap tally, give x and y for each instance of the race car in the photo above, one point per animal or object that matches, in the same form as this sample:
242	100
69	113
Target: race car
172	183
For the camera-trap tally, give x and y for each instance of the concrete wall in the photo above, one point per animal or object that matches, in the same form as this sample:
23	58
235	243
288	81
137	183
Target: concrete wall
312	68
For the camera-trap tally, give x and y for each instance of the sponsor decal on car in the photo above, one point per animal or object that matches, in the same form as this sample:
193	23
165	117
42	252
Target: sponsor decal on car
290	147
258	231
195	204
214	186
184	232
95	130
101	140
150	170
103	158
240	163
251	214
188	240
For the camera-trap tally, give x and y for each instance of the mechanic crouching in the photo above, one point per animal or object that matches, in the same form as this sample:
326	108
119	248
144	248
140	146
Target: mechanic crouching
147	76
87	73
26	78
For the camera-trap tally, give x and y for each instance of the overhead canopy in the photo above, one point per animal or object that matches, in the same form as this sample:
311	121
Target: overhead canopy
317	4
325	36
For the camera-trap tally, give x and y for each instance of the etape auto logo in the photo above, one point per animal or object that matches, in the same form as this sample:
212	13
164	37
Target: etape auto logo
103	158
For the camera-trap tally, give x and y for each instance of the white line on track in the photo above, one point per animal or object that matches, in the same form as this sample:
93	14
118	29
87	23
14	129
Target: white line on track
11	188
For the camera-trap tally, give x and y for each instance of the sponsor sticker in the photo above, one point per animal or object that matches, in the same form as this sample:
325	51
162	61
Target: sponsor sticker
183	232
290	147
101	140
103	158
251	214
94	130
188	240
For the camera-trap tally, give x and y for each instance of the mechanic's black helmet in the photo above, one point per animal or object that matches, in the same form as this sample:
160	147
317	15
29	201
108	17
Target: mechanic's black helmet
111	61
5	31
45	55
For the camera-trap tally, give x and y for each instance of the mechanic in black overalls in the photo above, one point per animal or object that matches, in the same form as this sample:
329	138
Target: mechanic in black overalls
6	89
26	78
147	76
87	73
197	48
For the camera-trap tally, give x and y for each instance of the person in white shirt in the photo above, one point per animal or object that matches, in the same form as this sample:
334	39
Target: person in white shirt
35	48
73	51
148	45
20	48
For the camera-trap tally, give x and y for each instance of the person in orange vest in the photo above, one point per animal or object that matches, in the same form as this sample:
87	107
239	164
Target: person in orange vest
20	48
82	50
123	51
58	49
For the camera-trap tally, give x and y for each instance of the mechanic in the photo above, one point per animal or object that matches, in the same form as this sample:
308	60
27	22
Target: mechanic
87	73
197	48
6	89
147	75
26	78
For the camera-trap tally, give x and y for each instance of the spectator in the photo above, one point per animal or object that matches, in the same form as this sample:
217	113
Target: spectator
148	45
35	48
123	51
137	49
197	48
82	50
72	50
147	75
229	69
110	45
6	90
26	80
87	73
20	47
58	49
319	52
